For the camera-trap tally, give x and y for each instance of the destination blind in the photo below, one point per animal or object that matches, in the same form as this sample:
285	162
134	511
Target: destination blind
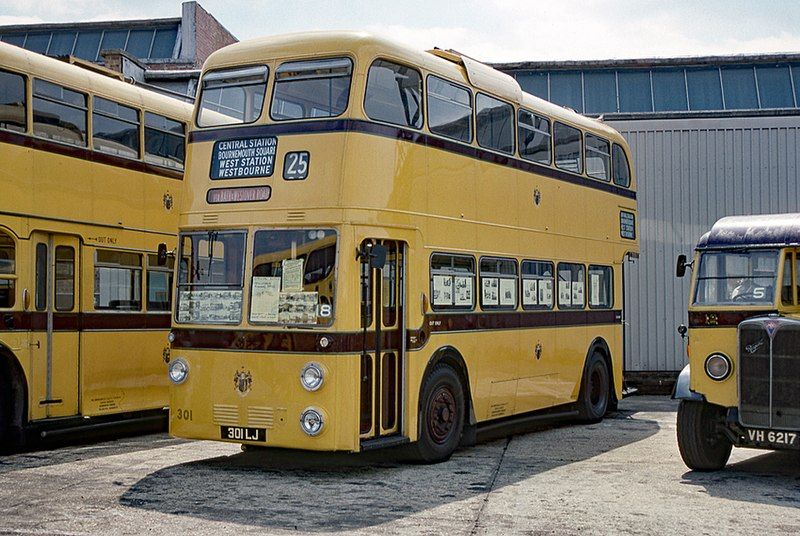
244	158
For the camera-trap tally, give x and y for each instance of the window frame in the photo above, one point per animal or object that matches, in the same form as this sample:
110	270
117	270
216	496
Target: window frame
11	276
26	105
423	103
581	163
144	152
570	307
84	109
134	269
56	261
549	134
523	277
615	146
312	117
155	268
587	149
610	288
471	108
513	123
452	274
499	276
138	124
202	89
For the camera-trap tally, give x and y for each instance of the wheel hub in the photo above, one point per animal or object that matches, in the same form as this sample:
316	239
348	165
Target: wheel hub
441	415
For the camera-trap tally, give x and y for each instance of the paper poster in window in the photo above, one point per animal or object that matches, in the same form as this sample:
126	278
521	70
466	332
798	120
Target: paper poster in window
264	299
530	292
298	307
594	296
490	289
508	292
564	294
577	293
546	292
292	275
463	291
442	290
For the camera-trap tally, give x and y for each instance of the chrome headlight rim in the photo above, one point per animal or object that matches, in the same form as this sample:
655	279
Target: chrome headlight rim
175	364
728	366
316	413
320	371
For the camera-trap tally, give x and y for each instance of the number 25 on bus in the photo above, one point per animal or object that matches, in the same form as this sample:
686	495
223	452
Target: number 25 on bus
387	246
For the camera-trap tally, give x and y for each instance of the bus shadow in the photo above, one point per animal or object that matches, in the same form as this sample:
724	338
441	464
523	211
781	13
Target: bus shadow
772	478
329	492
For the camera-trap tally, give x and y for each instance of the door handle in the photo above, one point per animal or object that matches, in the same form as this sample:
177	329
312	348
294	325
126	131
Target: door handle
538	351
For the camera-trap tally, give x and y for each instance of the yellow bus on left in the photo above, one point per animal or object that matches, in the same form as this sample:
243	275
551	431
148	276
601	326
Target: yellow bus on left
91	178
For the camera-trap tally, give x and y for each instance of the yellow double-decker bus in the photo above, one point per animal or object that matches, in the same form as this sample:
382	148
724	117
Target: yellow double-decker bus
92	179
384	246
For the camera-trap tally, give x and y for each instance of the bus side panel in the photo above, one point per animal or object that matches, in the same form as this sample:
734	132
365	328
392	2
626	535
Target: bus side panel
15	176
56	193
702	342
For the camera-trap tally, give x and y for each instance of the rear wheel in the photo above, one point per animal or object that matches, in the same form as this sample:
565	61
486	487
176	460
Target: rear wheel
703	447
5	414
595	394
441	415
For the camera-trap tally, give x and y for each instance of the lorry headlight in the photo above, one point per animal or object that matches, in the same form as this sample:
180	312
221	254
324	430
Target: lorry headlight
311	421
718	367
178	371
312	376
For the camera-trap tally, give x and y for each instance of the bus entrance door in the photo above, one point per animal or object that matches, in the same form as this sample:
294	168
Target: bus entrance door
54	329
383	325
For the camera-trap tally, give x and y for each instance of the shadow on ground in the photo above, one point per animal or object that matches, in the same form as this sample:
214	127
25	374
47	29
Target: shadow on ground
772	478
324	492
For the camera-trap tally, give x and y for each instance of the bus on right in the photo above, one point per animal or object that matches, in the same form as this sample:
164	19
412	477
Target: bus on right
742	384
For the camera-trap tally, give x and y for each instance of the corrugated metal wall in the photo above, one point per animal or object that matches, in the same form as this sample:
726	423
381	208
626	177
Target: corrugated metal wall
692	172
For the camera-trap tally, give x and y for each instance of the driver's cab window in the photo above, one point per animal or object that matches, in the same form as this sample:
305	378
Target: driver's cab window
789	286
7	271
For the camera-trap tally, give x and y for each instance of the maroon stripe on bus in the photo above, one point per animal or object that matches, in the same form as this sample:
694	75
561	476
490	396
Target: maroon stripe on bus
83	153
713	319
357	341
37	321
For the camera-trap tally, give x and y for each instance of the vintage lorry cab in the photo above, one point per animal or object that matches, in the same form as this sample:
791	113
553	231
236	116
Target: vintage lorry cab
742	384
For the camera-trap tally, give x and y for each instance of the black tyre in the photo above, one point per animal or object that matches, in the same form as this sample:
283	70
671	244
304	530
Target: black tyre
702	445
595	393
441	415
5	415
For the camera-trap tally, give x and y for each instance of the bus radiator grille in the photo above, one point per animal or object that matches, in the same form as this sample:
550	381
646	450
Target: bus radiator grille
260	417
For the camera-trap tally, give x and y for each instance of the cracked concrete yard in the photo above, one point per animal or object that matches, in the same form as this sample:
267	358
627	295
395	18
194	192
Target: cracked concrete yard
623	475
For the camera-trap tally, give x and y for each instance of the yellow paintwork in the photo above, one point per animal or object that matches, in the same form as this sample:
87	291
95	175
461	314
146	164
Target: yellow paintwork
367	186
87	206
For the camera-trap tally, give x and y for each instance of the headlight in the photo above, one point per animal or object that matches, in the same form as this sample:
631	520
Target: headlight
311	421
718	367
178	371
311	377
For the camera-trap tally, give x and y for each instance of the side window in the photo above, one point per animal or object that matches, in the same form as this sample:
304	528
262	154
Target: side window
232	96
622	170
315	88
534	138
159	284
65	278
394	94
598	158
452	282
571	283
59	113
494	123
601	287
12	102
537	285
7	271
163	141
568	148
40	300
498	283
117	281
115	128
449	109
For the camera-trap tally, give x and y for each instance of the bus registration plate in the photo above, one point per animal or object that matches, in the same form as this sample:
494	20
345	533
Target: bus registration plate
775	439
240	433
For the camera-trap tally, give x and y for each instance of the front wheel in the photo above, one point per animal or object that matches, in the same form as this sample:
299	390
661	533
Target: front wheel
703	447
595	394
441	415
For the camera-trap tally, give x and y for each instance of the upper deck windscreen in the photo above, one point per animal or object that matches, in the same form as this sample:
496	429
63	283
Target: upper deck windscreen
232	96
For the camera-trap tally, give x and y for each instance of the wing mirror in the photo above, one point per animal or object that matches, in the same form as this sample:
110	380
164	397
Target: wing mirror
682	265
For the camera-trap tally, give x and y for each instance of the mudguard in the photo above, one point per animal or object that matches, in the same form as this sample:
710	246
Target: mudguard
682	391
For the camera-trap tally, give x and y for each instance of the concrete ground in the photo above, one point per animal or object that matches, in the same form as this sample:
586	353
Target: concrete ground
622	476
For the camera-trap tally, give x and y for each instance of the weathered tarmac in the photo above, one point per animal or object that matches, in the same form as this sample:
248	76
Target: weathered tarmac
621	476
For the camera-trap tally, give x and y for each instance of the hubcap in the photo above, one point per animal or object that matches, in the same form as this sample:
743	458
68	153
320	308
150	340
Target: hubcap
596	388
441	414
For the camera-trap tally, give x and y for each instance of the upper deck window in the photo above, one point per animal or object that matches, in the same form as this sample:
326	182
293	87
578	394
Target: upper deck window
534	137
736	277
495	123
449	109
310	89
598	158
232	96
622	170
59	113
394	94
12	102
568	148
164	141
115	128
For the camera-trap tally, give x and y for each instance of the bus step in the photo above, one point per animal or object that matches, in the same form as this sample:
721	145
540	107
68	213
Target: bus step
383	442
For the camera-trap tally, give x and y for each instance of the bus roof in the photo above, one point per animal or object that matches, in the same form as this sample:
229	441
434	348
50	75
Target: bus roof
776	230
481	76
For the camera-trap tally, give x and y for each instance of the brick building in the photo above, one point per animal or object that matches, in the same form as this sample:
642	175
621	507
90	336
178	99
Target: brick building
166	54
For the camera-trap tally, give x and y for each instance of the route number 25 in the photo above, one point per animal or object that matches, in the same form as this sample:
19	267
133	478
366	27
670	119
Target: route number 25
295	165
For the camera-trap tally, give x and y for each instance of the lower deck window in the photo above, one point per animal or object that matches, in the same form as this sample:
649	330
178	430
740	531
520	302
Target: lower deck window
117	281
452	282
537	285
571	286
159	284
601	287
498	283
7	269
